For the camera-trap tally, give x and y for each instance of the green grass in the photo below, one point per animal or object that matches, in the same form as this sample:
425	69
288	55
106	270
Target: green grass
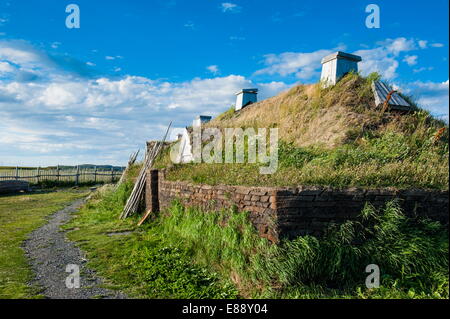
142	264
383	160
20	215
375	150
187	253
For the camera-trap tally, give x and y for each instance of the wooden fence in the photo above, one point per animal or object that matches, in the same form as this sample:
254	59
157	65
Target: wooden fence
75	174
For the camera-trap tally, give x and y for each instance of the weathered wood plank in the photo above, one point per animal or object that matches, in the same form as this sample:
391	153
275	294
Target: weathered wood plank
381	91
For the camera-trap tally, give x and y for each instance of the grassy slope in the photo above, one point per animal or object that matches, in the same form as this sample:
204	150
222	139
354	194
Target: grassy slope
20	215
186	253
333	137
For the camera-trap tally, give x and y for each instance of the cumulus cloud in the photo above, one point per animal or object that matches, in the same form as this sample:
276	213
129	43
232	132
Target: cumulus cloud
385	57
378	60
423	44
411	59
398	45
68	119
272	88
111	114
434	96
64	118
303	65
214	69
5	67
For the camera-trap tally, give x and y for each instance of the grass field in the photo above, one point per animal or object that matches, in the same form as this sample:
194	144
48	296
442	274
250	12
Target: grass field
187	253
20	215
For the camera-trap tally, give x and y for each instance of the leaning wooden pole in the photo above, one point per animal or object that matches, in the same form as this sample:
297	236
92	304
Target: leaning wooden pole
132	204
131	161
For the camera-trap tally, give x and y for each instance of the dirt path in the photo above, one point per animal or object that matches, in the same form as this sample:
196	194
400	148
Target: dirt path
50	252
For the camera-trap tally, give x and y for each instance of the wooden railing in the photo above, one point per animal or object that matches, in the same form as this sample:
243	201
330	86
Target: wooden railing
75	174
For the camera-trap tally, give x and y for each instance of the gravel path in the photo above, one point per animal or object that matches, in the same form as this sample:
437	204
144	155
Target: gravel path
50	252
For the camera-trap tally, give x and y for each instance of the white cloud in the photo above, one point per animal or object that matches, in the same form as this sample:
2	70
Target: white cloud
271	89
384	58
230	7
418	70
411	59
189	25
378	60
437	45
423	44
398	45
108	57
67	119
214	69
433	96
20	52
5	67
90	63
60	95
303	65
55	45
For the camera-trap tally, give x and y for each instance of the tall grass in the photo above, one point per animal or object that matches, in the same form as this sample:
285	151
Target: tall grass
334	137
184	252
411	253
224	240
389	160
141	263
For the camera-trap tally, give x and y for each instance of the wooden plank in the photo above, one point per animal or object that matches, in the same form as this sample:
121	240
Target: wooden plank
144	218
63	174
381	91
137	193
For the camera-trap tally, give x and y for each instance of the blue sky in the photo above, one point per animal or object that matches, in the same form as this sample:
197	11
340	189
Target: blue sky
95	94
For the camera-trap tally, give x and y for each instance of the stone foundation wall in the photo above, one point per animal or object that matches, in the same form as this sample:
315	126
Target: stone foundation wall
289	212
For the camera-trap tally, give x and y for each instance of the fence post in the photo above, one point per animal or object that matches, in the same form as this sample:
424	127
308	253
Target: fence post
77	175
17	173
57	173
112	174
95	174
38	174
